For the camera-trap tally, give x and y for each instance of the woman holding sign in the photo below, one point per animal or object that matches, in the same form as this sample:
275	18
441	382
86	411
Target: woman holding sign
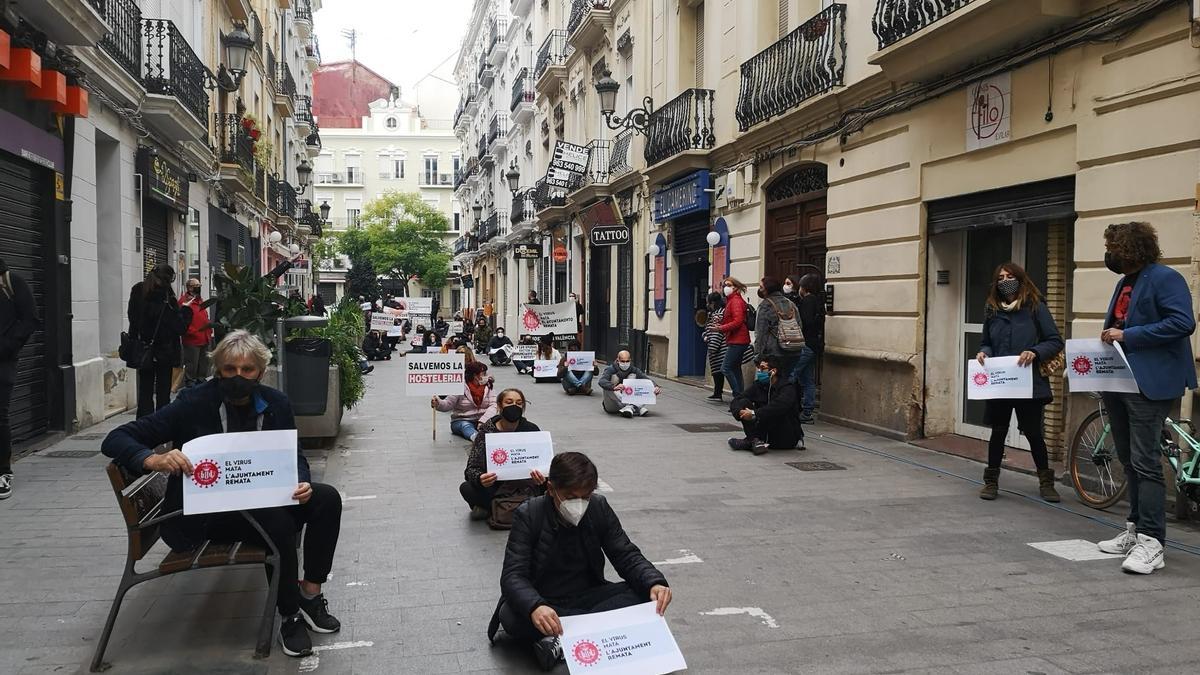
1017	323
547	352
481	487
467	409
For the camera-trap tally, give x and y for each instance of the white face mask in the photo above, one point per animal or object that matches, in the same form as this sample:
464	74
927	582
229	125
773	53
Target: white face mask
728	291
572	510
624	365
787	288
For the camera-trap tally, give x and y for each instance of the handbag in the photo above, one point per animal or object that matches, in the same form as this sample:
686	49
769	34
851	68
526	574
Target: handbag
137	353
1055	364
509	497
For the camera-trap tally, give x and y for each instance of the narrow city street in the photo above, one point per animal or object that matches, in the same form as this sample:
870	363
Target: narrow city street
887	563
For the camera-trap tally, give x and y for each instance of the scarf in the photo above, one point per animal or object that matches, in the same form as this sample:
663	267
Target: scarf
477	391
1010	306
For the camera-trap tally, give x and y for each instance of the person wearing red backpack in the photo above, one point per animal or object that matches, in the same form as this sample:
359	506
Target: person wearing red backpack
736	331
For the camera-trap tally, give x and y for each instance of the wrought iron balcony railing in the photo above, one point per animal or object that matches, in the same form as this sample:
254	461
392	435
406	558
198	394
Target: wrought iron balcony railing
546	196
523	209
285	84
314	139
499	32
260	183
684	123
802	64
460	245
302	10
619	158
597	166
234	144
895	20
498	126
303	112
580	9
286	199
553	52
523	90
124	42
172	68
256	30
496	225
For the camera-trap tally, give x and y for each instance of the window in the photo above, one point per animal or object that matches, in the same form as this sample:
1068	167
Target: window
353	210
353	168
431	170
457	164
324	169
427	293
457	222
398	167
391	122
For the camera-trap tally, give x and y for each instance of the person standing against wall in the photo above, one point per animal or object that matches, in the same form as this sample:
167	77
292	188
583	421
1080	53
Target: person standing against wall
18	321
156	319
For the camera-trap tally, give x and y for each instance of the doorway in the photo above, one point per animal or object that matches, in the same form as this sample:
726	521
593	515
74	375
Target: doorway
599	301
796	216
693	294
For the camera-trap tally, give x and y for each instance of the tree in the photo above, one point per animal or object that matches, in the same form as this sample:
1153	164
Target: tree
361	279
403	237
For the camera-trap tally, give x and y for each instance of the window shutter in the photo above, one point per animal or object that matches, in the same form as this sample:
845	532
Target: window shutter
700	45
783	17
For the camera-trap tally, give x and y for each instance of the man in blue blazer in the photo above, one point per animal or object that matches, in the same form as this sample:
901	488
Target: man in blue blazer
1151	316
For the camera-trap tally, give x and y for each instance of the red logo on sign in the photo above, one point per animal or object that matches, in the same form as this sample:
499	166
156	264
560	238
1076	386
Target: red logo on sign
980	379
1082	365
531	319
499	456
571	361
628	390
206	473
586	652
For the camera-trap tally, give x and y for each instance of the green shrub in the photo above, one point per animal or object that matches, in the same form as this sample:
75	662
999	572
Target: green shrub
345	332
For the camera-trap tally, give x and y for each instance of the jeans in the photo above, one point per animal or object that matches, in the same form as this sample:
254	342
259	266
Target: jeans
731	367
195	364
577	382
1029	421
153	389
1137	425
804	373
478	496
465	428
603	598
8	377
322	514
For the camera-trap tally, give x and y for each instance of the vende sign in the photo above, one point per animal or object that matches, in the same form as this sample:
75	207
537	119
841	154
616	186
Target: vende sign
569	157
609	235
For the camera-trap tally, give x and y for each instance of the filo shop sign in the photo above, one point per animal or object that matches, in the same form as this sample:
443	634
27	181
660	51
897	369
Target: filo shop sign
163	182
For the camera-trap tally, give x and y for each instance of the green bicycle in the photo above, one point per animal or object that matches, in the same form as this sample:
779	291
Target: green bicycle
1099	476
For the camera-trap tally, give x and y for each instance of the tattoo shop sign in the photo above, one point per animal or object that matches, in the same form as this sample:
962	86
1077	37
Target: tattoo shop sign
237	471
433	374
558	318
634	641
511	456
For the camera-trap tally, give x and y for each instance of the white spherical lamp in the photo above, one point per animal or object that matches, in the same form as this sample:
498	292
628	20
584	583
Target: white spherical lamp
653	250
713	238
275	237
295	249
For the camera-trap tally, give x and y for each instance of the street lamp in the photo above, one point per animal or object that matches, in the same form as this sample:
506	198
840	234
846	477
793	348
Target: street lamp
275	237
637	119
324	209
513	175
713	238
304	174
477	209
237	51
653	250
294	249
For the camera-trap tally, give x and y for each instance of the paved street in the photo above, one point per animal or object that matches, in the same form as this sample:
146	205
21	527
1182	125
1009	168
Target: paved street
890	565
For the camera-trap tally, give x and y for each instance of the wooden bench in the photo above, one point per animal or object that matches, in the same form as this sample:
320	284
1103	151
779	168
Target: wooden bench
141	502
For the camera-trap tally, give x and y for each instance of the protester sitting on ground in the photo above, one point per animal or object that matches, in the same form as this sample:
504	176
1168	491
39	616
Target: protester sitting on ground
375	348
554	561
468	355
524	367
417	344
483	336
547	352
499	348
441	327
236	401
467	409
481	486
768	411
449	345
432	341
575	381
617	372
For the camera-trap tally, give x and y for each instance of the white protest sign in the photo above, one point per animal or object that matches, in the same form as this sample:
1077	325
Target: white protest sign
433	374
365	305
395	331
1093	365
381	321
633	640
545	368
999	377
246	470
511	456
558	318
507	349
524	352
456	327
410	307
581	360
420	320
636	392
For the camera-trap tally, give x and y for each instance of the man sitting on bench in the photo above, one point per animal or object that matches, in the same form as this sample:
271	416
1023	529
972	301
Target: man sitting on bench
235	401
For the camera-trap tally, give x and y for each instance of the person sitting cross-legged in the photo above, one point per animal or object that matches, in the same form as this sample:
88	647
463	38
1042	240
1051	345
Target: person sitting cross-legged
575	381
768	412
481	486
617	372
236	401
467	409
554	561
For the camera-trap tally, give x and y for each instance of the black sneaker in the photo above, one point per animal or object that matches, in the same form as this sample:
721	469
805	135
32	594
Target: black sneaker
807	418
548	651
316	615
759	447
6	485
715	397
739	444
293	636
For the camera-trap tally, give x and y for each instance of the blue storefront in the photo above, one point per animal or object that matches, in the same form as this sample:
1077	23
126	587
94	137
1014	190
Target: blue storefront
686	204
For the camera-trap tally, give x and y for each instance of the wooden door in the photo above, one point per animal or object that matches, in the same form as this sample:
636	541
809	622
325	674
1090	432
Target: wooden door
796	237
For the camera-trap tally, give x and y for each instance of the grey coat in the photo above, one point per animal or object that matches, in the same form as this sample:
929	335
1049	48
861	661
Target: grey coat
766	327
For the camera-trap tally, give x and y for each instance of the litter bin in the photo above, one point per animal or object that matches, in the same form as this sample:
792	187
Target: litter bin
306	368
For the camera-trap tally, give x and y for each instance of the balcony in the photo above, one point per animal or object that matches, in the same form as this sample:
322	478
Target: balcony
116	61
176	101
486	158
684	124
472	105
498	41
312	54
589	23
235	152
486	74
593	184
550	69
303	116
496	225
523	210
429	180
68	22
619	160
285	204
312	143
285	90
805	62
523	95
921	39
302	15
497	134
550	203
351	177
460	245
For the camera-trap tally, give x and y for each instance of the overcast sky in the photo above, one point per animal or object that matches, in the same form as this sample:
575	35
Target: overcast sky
410	42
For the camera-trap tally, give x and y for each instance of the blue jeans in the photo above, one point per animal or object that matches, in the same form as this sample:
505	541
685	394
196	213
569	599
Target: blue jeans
1137	424
804	373
575	381
464	428
732	366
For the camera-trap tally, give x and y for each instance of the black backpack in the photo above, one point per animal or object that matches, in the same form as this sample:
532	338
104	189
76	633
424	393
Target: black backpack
751	316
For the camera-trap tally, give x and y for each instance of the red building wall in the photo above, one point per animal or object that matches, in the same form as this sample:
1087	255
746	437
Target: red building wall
342	92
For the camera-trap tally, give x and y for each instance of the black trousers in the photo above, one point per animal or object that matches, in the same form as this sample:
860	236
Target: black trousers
476	495
998	412
323	516
153	389
8	377
603	598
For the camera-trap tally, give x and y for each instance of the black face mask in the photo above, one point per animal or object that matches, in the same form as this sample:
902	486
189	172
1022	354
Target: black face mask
1008	288
511	413
236	388
1112	262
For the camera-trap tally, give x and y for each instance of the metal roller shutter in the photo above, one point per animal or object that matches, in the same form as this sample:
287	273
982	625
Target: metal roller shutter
154	236
1032	202
23	215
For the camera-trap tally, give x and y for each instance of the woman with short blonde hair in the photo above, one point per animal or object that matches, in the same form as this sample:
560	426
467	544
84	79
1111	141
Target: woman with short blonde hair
239	344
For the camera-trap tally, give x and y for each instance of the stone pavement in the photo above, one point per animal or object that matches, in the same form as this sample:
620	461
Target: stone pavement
891	564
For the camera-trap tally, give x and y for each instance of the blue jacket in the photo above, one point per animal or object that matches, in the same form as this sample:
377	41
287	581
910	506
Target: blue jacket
1157	330
194	413
1010	333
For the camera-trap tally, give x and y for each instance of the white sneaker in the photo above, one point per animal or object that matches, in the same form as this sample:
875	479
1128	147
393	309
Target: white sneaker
627	411
1122	543
1145	557
643	411
6	485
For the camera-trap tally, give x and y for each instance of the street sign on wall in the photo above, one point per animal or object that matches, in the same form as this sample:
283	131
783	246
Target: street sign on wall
609	235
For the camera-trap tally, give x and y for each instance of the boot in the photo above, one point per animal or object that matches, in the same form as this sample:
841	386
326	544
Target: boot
991	484
1046	485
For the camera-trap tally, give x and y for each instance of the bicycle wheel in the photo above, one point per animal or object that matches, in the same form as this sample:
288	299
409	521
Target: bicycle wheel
1096	473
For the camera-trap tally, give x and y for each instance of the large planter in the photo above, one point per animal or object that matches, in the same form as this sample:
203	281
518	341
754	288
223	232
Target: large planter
323	428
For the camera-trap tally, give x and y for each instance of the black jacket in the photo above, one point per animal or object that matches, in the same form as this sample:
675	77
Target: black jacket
477	457
143	313
18	318
812	321
535	526
1010	333
776	411
194	413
